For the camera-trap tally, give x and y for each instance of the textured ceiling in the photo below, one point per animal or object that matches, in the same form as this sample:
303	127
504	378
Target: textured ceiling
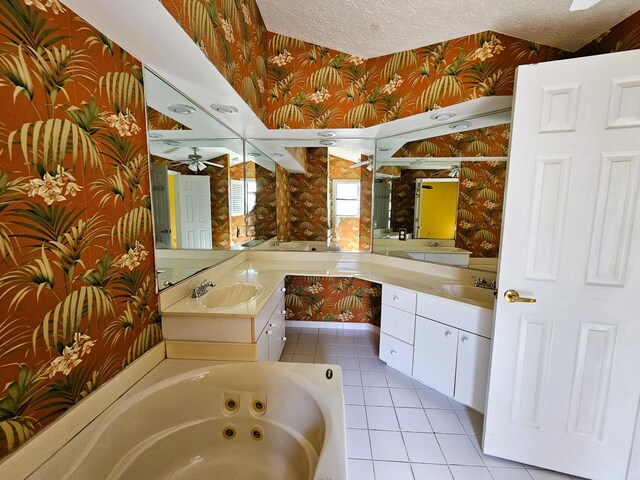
371	28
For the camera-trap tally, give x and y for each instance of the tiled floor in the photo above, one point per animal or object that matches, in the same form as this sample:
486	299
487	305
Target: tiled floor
397	428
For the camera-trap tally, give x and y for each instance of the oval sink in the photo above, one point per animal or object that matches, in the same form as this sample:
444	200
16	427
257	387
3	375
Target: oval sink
483	295
230	295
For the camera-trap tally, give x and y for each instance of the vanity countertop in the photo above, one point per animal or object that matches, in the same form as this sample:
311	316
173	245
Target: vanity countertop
270	273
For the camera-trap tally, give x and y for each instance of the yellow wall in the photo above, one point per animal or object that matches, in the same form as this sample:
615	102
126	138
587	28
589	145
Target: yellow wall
172	211
438	210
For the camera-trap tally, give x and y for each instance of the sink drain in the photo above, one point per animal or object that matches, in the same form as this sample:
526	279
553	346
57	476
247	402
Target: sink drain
229	432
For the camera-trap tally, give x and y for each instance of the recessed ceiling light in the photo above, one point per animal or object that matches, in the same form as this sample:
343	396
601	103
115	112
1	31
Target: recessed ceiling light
327	134
277	154
328	142
182	109
443	116
383	149
254	154
154	135
226	109
171	143
460	126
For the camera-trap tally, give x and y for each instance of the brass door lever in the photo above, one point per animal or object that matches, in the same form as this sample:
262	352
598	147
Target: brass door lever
512	296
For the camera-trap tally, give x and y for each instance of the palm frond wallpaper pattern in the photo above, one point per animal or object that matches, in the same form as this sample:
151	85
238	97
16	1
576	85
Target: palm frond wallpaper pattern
77	283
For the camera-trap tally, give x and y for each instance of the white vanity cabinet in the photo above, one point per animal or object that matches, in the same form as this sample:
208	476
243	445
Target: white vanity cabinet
271	338
449	353
397	327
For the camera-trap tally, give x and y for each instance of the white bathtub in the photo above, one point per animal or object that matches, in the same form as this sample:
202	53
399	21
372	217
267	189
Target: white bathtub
258	421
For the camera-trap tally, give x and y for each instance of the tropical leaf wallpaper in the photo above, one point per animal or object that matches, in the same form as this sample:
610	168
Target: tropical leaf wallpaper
333	299
263	216
77	283
159	121
232	35
366	206
624	36
283	204
481	142
308	203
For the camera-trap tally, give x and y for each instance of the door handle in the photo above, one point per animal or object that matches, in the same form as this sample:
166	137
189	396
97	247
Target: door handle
512	296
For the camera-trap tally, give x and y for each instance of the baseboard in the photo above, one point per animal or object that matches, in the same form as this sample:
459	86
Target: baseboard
28	458
338	325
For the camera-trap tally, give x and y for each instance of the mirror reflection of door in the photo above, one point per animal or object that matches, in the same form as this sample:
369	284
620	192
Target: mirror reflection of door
160	199
382	206
436	208
194	211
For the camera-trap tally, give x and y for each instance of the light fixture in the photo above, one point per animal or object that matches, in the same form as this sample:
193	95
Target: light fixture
384	149
154	135
226	109
182	109
460	126
254	154
442	116
328	143
171	143
277	154
326	134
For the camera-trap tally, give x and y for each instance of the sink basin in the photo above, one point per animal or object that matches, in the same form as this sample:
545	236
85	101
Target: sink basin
483	295
230	295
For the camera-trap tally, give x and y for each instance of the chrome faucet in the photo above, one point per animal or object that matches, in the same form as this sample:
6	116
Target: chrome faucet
433	244
482	283
200	290
276	243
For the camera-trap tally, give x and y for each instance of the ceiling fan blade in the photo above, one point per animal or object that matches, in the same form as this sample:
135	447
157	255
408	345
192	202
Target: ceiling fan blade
369	167
213	164
577	5
359	164
171	150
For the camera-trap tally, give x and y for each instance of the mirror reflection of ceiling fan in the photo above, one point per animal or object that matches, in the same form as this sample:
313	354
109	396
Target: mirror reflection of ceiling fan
368	163
195	162
577	5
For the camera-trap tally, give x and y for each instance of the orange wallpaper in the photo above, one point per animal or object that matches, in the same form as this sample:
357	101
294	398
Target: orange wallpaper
624	36
366	206
159	121
331	299
315	87
309	215
232	35
283	204
77	284
481	142
265	210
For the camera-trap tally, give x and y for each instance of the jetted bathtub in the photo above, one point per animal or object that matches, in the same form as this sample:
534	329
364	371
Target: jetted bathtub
239	421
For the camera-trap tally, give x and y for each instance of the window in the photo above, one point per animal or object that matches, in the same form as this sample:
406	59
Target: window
346	198
237	197
251	194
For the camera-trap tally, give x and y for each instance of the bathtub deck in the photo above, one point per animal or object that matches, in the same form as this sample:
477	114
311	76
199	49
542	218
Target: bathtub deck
397	428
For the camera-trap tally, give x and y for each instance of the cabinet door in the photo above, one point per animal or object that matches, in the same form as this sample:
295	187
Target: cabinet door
434	357
263	346
473	370
398	323
396	353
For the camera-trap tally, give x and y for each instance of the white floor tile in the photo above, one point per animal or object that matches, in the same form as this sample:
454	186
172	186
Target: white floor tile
327	339
351	377
358	445
286	357
398	380
444	421
345	340
348	363
490	461
392	471
370	363
405	397
308	338
387	446
470	473
360	469
423	447
289	347
367	351
456	405
367	340
432	399
305	349
377	396
327	359
547	475
355	416
509	473
303	358
373	379
413	420
382	418
423	471
471	420
353	395
458	450
340	350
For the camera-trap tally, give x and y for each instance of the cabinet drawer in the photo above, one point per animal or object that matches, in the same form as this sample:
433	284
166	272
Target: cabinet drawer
398	323
396	353
434	361
276	343
399	298
460	315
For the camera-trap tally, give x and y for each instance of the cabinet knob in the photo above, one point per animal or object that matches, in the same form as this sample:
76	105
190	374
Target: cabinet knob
269	332
393	352
284	339
396	298
283	289
464	339
283	312
447	333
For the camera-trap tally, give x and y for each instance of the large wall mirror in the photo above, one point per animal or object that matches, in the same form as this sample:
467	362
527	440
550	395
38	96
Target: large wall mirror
196	166
438	192
322	193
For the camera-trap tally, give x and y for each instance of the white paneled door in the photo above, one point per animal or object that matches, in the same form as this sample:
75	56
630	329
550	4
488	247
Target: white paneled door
565	380
194	218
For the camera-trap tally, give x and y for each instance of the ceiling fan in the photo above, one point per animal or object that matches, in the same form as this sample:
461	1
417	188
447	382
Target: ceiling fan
368	163
195	162
577	5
